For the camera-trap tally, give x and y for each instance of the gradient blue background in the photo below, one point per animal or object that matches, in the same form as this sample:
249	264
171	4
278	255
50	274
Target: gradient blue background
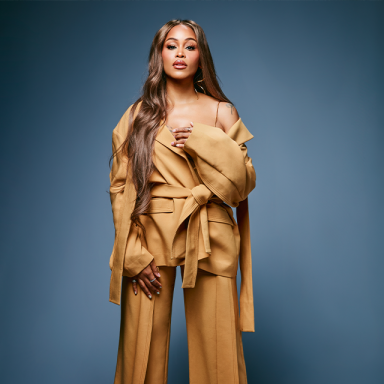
307	80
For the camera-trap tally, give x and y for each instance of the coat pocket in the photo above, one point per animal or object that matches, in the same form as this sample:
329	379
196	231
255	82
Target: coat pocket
219	214
160	222
222	230
161	205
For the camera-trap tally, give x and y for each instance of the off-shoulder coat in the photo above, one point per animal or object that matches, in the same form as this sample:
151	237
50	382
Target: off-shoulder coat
190	220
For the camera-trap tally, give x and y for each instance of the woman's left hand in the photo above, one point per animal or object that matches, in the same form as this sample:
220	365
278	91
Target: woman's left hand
181	135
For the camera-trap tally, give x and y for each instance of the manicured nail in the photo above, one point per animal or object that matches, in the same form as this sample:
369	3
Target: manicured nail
161	286
150	296
172	143
158	292
173	130
135	293
157	274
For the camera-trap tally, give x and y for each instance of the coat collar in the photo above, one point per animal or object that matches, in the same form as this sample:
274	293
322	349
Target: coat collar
165	137
238	132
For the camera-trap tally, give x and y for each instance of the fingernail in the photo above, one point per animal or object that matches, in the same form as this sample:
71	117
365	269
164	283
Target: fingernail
158	292
150	296
172	143
161	287
158	274
173	130
135	293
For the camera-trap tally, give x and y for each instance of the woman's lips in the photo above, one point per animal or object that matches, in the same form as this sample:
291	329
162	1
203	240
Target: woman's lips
179	66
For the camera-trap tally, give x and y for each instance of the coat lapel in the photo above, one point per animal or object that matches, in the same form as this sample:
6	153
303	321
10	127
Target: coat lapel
239	132
165	137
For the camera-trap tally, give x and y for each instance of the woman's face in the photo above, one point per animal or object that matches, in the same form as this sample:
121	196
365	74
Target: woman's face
180	53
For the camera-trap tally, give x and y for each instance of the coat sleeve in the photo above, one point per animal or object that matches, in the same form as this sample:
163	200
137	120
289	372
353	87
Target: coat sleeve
222	160
136	257
224	166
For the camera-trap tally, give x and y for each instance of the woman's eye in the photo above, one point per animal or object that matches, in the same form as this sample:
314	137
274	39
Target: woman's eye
190	47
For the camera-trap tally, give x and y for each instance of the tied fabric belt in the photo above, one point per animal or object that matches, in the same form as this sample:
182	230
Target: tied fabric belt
195	206
196	198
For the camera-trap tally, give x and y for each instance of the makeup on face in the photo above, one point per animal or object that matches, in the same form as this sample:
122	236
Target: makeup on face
180	53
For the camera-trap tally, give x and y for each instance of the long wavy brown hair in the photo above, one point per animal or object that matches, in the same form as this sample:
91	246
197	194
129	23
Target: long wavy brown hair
139	143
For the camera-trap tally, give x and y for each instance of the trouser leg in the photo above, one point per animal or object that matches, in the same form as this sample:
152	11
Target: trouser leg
214	338
144	332
157	369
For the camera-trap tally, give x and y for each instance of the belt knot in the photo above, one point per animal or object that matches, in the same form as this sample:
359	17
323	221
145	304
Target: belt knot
201	194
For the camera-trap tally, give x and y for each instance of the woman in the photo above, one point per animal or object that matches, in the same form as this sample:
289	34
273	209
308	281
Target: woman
179	163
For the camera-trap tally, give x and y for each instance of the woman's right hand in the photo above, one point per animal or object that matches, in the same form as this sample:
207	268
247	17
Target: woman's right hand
150	272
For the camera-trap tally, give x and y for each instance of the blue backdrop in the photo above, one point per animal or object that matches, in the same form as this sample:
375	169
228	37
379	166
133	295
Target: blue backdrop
307	80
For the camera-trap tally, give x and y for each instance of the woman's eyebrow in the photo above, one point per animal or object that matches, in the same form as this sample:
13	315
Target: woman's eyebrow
174	38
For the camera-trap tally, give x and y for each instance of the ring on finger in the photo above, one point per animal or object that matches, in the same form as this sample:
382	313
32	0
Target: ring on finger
152	280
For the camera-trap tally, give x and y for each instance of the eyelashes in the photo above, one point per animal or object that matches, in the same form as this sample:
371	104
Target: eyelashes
171	47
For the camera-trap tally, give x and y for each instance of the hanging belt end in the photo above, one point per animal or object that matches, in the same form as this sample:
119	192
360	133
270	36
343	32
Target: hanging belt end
114	301
188	285
115	286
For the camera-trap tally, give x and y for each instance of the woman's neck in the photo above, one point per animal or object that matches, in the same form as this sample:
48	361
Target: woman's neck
181	91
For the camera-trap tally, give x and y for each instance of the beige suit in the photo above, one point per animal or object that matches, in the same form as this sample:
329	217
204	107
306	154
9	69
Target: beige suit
190	224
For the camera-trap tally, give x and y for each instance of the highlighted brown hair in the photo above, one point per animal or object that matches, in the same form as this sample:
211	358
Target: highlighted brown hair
139	143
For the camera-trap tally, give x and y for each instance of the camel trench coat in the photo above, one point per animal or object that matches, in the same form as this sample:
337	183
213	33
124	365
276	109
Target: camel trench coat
189	220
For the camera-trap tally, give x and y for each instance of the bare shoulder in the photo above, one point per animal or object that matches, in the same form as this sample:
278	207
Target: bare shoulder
227	116
209	102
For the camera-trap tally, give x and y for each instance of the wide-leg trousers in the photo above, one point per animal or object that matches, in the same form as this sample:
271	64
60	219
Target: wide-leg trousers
215	349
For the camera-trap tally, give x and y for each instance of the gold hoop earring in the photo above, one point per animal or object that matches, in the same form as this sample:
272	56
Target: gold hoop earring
198	81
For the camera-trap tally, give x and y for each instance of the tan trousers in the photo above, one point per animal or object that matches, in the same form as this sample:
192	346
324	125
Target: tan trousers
215	346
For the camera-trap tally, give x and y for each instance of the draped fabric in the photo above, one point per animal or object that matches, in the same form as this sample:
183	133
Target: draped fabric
197	184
